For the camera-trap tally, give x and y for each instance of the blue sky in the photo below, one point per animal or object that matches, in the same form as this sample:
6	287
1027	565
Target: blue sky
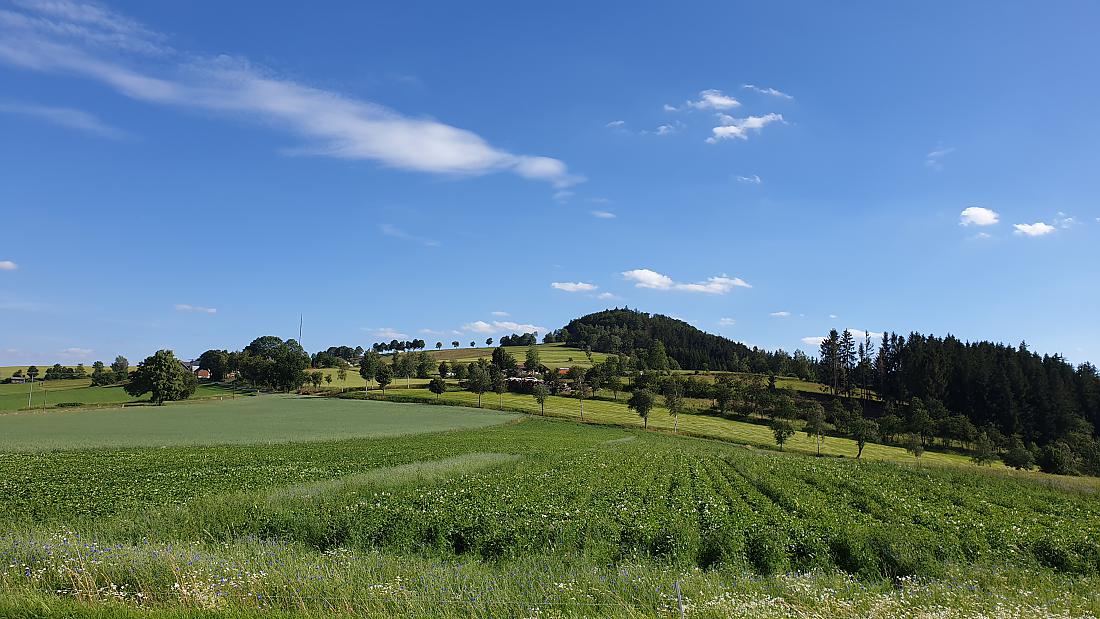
194	175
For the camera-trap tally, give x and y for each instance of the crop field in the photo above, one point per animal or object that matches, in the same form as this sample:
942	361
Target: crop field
255	419
538	517
616	413
48	394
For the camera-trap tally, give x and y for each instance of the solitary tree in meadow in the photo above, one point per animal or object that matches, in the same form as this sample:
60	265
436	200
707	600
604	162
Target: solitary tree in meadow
444	369
815	424
472	343
914	445
383	376
614	382
641	402
342	374
316	378
163	377
541	392
477	380
438	345
455	344
723	395
674	401
781	430
32	372
437	386
862	431
984	451
489	341
579	386
500	385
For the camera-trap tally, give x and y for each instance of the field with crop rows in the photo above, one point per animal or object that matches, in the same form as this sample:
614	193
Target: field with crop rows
536	514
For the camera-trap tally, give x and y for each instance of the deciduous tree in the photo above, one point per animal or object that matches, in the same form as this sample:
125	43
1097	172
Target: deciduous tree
163	377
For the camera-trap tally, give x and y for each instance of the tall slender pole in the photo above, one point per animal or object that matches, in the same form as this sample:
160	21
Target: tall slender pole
30	393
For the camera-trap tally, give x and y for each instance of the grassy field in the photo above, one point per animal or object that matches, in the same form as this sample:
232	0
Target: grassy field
258	419
47	394
535	518
550	355
610	412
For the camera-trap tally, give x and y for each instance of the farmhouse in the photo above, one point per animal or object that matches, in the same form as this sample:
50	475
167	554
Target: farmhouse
18	380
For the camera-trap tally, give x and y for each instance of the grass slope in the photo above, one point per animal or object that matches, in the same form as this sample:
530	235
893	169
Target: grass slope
260	419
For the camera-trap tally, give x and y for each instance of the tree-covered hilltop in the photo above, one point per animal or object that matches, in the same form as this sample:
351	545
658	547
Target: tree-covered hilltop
641	335
921	384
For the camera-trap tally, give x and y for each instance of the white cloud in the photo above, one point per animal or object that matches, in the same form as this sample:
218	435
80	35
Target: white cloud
1036	229
978	216
606	296
752	180
833	316
65	117
574	286
500	314
1064	221
726	322
427	331
813	341
83	40
500	326
645	278
616	124
719	284
602	214
781	314
767	91
710	99
76	353
665	130
563	195
397	233
739	127
8	265
184	307
982	236
934	159
385	333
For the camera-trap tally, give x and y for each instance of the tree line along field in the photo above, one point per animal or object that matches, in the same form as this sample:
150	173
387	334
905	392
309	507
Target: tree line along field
539	517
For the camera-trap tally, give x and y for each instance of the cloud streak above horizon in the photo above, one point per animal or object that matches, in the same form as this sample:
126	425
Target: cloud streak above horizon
88	41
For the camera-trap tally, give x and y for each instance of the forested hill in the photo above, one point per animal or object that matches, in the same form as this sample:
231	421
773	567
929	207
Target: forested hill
1008	392
637	333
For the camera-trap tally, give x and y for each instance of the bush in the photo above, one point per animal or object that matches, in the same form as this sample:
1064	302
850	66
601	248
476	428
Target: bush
1057	458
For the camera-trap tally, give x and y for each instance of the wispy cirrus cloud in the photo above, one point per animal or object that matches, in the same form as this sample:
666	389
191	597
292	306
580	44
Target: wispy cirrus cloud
385	333
710	99
719	284
85	40
751	180
780	314
771	92
393	231
68	118
8	265
602	214
573	286
726	322
934	158
196	309
500	326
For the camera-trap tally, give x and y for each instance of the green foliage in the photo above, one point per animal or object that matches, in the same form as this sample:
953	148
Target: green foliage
383	375
121	369
437	386
782	430
641	401
216	361
163	377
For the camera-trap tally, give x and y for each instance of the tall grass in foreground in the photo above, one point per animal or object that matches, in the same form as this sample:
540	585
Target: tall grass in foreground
66	576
